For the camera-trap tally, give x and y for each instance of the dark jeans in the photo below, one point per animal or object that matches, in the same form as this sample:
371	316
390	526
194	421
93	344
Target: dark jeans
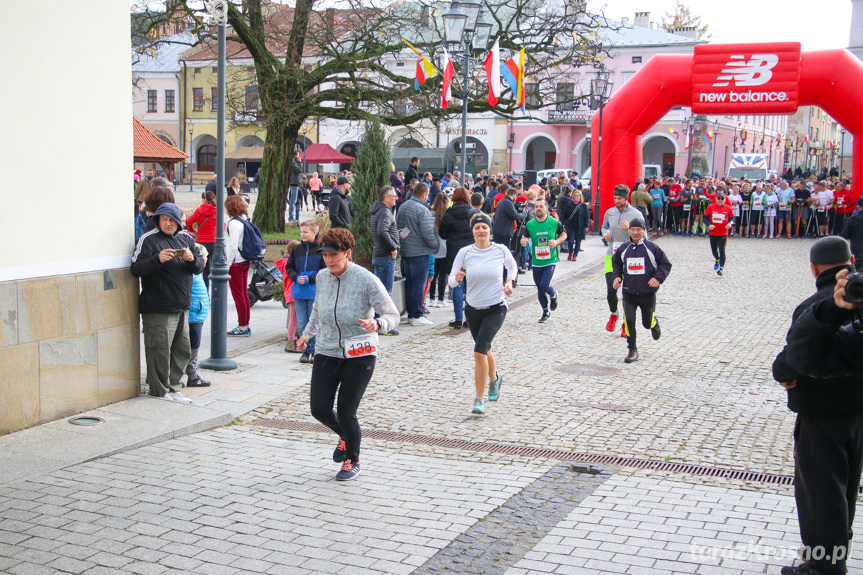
717	246
542	278
416	270
828	460
572	242
349	377
439	281
206	273
385	270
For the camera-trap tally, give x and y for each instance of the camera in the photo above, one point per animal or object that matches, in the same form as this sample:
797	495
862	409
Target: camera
854	288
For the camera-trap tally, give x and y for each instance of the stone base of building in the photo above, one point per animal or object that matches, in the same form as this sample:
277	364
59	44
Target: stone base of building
67	344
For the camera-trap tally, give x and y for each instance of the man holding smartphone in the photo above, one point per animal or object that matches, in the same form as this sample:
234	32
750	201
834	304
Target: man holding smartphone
165	259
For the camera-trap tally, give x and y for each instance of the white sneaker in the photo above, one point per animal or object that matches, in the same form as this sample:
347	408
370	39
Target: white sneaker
178	397
441	303
420	321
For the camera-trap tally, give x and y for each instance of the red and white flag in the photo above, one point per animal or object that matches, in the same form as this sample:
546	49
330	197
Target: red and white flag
806	140
492	72
448	71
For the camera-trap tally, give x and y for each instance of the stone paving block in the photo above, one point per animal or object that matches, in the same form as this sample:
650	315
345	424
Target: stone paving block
31	569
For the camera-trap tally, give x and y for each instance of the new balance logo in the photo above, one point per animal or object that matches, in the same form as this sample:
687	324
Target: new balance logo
754	72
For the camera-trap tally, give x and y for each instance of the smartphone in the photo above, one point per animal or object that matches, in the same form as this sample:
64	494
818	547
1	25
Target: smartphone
179	253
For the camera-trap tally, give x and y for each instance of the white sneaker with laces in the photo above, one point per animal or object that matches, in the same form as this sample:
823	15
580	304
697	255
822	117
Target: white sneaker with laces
178	397
420	321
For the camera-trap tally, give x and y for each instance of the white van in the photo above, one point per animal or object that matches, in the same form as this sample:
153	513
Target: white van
552	173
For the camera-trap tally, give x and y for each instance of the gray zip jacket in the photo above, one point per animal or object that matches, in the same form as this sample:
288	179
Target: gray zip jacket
611	222
416	227
341	301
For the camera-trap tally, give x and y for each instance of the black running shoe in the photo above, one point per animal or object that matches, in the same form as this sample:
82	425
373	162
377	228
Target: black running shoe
655	331
545	316
553	305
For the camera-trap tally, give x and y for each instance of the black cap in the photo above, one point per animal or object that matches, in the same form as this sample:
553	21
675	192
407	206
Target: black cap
342	180
330	249
830	250
636	223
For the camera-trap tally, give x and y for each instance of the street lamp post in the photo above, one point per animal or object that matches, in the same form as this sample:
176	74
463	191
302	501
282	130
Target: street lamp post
219	276
464	25
715	141
191	148
841	151
695	126
600	91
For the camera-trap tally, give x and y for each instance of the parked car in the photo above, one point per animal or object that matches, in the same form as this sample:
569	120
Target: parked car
552	173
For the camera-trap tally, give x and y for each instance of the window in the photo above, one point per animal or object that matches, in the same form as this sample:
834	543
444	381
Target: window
197	70
531	93
251	102
169	100
197	99
636	59
400	64
214	99
215	69
565	93
151	100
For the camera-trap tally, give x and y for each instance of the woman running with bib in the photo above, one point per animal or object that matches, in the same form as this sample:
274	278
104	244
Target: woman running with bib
483	264
348	295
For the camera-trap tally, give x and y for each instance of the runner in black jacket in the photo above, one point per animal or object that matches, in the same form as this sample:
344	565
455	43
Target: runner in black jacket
826	392
641	266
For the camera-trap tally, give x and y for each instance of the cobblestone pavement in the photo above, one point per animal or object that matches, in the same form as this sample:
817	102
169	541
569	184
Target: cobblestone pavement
253	498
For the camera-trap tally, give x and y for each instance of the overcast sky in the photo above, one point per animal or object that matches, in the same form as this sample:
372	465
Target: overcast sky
816	25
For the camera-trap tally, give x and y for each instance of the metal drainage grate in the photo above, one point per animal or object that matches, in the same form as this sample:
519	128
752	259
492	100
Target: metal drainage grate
586	369
685	468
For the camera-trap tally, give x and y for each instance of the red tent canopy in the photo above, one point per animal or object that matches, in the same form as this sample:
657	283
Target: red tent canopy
325	154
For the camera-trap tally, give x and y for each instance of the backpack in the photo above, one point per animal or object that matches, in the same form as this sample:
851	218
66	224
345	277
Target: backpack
253	247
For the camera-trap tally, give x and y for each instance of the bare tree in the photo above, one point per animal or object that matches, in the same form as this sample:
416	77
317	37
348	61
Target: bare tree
338	63
683	17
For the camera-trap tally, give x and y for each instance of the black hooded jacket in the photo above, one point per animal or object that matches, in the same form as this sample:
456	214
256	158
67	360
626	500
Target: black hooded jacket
165	287
804	352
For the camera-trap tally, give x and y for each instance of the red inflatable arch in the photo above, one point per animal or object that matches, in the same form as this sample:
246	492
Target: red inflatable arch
717	79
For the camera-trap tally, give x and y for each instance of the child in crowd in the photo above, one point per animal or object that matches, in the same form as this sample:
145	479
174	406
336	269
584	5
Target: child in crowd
198	311
291	343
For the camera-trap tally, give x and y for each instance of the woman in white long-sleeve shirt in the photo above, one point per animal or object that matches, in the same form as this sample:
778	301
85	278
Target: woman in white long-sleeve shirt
483	264
239	270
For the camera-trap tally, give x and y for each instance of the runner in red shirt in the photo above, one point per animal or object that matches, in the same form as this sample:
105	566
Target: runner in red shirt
720	216
843	202
676	205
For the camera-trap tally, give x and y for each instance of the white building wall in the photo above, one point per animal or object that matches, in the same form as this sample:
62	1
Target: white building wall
67	132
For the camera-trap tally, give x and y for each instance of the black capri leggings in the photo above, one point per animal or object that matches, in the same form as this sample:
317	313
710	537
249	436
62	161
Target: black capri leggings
484	325
717	246
350	377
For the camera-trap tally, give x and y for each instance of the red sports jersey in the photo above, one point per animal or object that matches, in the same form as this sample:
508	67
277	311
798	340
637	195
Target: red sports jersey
844	202
719	218
674	194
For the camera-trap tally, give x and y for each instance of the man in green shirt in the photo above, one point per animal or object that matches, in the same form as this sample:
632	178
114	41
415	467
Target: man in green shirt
544	234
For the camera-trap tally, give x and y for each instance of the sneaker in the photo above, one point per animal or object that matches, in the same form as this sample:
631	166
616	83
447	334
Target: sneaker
623	329
349	471
553	305
198	382
612	321
178	397
802	569
720	271
655	331
241	332
478	406
390	332
341	452
457	324
716	265
494	388
631	356
441	303
306	357
545	316
291	346
420	321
